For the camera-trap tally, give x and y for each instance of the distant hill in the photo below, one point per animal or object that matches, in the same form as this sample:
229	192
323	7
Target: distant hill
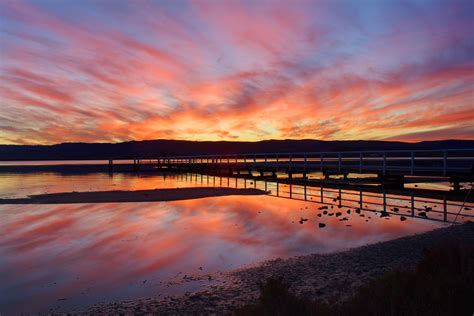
156	148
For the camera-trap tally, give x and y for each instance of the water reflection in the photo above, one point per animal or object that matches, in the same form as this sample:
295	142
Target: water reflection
377	200
71	256
21	185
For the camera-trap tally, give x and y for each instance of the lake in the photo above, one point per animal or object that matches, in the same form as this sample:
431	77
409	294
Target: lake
70	256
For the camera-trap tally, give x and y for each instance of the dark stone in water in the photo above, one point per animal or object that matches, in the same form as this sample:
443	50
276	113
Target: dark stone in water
302	220
330	214
348	211
338	214
325	212
396	209
403	218
422	214
319	215
357	210
321	225
384	214
324	207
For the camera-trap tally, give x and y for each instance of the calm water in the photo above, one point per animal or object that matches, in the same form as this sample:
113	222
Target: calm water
61	162
67	257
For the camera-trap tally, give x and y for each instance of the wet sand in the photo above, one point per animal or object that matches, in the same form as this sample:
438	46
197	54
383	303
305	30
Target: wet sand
330	277
131	196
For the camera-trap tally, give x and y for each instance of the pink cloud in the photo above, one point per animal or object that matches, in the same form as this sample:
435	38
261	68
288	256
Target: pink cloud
264	71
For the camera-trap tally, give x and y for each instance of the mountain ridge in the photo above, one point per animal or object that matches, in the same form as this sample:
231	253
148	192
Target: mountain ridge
163	147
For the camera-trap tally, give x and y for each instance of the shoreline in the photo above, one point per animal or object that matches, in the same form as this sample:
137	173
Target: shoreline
157	195
330	277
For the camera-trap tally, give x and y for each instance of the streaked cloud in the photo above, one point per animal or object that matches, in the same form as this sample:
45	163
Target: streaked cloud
206	70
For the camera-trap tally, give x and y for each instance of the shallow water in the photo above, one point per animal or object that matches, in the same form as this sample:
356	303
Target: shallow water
60	162
67	257
21	185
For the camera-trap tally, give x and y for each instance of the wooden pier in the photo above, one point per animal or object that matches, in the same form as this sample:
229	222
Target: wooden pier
389	167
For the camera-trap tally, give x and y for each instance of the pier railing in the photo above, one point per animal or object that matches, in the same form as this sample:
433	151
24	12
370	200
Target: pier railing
393	162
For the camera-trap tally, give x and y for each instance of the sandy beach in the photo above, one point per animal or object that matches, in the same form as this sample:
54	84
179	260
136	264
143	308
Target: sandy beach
331	277
131	196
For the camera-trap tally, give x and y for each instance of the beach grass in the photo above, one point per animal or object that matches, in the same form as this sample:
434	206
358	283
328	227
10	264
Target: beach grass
441	284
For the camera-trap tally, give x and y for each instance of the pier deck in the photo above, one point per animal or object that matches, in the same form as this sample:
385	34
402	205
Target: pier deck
455	164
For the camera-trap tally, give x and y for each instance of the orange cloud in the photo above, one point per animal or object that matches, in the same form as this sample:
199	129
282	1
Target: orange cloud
265	71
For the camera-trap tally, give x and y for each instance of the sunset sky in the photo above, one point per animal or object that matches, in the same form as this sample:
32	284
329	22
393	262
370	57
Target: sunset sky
110	71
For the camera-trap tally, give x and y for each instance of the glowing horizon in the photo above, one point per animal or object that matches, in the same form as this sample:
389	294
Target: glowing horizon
96	71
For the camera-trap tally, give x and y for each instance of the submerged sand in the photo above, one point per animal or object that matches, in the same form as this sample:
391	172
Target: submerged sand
131	196
329	277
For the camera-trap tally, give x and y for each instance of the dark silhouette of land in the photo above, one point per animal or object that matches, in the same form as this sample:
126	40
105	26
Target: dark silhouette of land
157	148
